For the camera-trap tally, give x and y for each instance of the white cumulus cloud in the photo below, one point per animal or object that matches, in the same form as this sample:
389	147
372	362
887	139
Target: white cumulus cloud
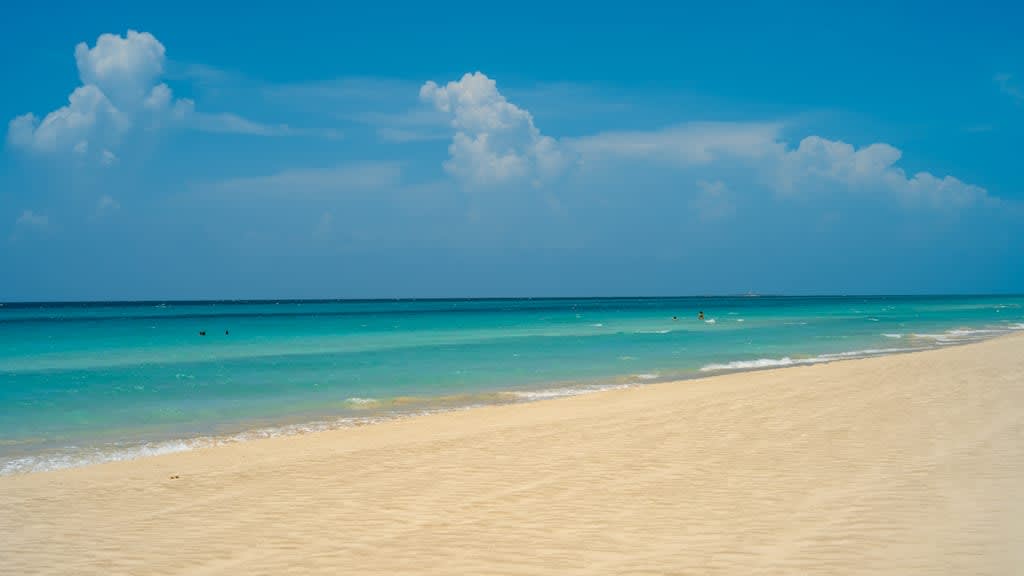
125	68
815	164
495	141
121	90
120	85
870	168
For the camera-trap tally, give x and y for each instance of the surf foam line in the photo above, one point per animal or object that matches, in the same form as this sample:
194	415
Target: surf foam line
788	361
76	457
530	395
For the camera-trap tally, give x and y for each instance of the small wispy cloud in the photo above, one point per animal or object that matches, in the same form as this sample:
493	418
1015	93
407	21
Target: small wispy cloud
200	74
30	219
694	143
416	125
106	204
340	91
227	123
713	201
313	181
29	223
323	227
1007	86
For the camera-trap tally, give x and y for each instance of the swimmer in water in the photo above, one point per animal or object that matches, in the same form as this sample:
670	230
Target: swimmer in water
700	315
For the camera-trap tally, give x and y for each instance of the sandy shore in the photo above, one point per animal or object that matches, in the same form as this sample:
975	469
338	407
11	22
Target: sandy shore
910	464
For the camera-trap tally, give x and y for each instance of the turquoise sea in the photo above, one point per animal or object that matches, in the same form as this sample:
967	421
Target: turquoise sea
88	382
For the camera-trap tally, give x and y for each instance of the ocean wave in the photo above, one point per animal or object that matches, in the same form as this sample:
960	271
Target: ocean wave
893	335
789	361
666	331
546	394
75	457
709	321
960	335
748	364
361	402
646	376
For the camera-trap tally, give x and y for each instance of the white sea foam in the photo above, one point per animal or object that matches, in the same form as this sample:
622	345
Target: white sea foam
748	364
788	361
530	395
652	332
866	352
709	321
74	457
361	402
646	376
740	320
597	325
893	335
959	335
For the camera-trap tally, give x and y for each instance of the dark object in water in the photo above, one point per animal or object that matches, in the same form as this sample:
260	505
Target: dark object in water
202	332
225	332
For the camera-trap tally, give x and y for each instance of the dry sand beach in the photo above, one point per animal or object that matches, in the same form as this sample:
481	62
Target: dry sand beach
908	464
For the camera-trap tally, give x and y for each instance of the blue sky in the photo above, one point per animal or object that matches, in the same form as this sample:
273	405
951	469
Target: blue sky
423	150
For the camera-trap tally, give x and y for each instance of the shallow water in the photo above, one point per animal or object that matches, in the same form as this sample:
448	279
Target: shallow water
91	382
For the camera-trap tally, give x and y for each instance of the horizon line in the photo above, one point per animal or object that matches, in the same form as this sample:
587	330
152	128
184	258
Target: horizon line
20	303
